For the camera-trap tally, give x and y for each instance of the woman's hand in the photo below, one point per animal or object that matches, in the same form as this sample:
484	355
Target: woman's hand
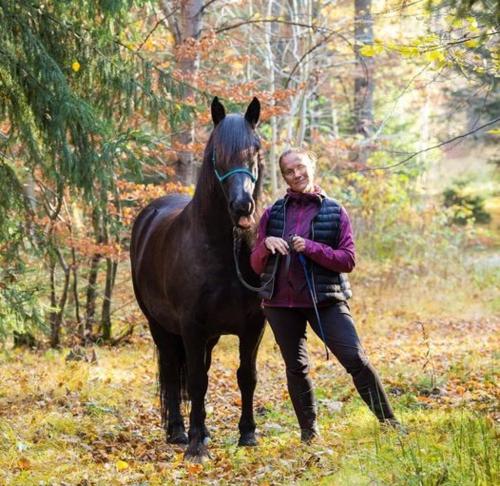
298	244
275	244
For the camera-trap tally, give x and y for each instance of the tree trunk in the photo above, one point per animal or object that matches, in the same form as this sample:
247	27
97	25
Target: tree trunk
76	298
111	268
90	306
363	81
185	26
272	88
57	312
91	297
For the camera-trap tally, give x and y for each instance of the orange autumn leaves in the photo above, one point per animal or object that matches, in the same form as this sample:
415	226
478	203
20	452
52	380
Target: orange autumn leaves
129	199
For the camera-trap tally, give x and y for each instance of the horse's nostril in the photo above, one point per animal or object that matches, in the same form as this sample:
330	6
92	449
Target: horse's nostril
242	207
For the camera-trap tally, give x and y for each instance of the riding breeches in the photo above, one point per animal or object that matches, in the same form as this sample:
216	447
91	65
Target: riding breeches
289	328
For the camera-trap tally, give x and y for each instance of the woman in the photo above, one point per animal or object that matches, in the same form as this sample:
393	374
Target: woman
306	223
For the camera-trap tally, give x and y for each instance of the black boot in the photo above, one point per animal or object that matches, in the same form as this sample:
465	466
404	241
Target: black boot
310	434
394	424
304	404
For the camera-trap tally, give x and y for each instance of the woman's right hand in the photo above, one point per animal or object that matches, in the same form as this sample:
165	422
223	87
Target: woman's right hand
275	244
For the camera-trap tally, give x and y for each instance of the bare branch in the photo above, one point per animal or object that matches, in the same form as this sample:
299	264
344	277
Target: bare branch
412	156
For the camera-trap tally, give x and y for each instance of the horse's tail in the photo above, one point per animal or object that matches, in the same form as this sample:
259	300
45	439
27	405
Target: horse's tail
172	368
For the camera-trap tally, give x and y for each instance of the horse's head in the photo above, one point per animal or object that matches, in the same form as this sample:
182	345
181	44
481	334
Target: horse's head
234	150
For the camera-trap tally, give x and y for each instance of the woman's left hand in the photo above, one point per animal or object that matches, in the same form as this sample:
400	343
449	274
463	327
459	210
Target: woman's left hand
298	244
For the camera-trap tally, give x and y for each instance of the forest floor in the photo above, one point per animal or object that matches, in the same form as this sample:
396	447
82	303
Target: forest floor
83	423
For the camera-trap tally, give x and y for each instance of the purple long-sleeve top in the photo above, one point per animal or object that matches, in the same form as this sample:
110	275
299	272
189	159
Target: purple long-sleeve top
290	288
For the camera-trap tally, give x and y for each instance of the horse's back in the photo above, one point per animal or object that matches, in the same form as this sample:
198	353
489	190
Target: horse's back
149	233
161	211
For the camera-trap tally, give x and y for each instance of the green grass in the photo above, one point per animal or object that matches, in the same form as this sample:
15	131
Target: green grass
435	348
67	423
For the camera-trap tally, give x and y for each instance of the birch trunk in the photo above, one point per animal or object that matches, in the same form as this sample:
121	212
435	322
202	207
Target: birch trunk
272	87
363	79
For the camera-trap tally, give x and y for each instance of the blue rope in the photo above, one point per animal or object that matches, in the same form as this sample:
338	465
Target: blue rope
302	260
221	178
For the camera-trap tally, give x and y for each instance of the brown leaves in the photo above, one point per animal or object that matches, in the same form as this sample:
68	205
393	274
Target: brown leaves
23	463
106	416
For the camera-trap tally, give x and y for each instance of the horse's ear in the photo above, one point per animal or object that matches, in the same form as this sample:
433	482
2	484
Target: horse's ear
218	111
253	112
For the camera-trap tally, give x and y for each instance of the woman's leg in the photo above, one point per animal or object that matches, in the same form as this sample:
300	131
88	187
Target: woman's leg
342	339
289	328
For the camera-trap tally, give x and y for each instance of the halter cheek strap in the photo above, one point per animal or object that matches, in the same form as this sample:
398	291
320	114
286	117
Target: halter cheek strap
223	177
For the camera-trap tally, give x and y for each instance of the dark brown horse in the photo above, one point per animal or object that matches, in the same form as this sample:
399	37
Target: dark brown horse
185	280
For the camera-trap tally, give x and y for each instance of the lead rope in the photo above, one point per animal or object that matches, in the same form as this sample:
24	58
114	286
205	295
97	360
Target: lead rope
302	260
236	251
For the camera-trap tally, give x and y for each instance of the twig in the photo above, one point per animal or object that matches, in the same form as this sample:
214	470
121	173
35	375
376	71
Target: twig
404	161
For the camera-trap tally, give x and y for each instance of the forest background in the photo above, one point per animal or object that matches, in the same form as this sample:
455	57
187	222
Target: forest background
104	105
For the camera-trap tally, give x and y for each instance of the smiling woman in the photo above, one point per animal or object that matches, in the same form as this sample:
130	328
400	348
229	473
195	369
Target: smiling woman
310	235
298	169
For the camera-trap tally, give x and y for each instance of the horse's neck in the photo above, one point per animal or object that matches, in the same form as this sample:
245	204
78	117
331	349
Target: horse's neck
210	213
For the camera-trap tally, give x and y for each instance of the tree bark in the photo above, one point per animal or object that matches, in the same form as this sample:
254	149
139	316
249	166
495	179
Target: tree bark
90	306
57	312
185	26
111	268
363	81
272	87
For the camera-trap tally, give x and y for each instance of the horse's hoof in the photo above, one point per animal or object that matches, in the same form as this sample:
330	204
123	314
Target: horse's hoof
247	439
179	437
198	454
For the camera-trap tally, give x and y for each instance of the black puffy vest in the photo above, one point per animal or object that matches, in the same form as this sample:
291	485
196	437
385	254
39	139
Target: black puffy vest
328	286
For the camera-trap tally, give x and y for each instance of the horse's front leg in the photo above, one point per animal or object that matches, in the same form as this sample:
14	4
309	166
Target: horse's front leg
197	383
247	378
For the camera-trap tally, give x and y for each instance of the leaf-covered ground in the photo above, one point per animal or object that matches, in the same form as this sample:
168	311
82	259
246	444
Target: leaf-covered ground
82	423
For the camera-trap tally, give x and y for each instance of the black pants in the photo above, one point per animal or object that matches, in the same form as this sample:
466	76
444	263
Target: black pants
289	327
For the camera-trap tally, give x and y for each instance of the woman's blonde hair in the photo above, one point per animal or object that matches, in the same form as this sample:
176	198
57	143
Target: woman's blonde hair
298	150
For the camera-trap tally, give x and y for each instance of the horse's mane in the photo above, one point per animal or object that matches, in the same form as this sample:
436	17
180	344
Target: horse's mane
231	138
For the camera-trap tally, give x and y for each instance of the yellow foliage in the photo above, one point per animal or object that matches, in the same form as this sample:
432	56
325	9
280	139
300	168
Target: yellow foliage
121	465
370	50
409	51
436	56
472	43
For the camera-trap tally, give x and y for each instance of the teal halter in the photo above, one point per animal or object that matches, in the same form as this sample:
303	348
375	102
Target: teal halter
232	172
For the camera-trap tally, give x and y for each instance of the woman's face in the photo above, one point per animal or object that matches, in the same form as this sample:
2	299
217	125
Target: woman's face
298	171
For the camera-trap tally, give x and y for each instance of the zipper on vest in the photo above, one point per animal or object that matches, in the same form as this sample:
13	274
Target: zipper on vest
283	236
312	266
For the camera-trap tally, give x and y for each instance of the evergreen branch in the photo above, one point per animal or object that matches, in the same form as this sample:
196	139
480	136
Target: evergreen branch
69	28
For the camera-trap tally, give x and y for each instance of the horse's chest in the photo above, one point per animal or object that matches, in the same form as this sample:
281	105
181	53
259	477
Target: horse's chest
229	306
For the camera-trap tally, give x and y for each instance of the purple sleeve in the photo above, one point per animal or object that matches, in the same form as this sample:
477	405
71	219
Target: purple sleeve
342	259
260	253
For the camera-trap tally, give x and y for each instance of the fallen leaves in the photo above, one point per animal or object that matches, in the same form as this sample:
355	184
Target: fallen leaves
104	419
121	465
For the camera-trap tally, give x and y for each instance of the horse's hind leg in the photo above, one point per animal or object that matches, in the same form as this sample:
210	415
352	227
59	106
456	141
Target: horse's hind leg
196	347
247	378
208	361
172	380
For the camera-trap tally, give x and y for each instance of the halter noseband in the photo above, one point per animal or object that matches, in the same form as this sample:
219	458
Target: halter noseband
242	170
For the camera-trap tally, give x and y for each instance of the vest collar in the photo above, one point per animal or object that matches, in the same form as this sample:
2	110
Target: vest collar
316	195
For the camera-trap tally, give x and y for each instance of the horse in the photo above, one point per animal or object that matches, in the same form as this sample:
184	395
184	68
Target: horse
185	281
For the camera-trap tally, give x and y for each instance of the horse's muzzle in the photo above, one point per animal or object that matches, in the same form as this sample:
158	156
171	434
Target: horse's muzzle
242	213
246	222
